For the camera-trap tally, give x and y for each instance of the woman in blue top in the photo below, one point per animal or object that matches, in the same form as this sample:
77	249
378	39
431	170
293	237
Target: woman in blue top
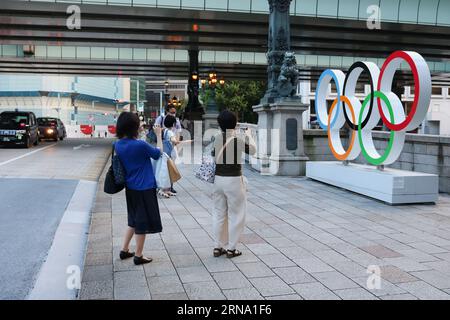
142	202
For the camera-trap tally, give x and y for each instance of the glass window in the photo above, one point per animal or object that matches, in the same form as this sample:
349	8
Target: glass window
193	4
10	50
112	53
216	5
181	55
68	52
98	53
300	59
335	61
154	54
323	61
168	3
144	3
389	10
427	11
39	51
364	6
327	8
125	54
260	58
306	8
83	52
436	91
248	57
139	54
347	61
443	17
234	57
239	5
261	6
53	52
120	2
311	60
408	11
222	56
348	9
167	55
439	66
207	56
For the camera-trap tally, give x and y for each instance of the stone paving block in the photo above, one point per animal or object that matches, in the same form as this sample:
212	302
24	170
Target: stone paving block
404	296
314	291
242	294
386	288
281	242
380	251
442	266
220	264
296	253
247	256
130	279
231	280
97	259
194	274
293	275
334	280
164	285
424	291
98	273
131	293
94	290
428	247
185	260
271	286
313	265
260	249
330	256
170	296
204	291
285	297
435	278
406	264
355	294
276	260
255	269
396	275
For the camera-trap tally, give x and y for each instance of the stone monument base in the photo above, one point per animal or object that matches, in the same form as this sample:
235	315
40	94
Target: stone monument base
389	185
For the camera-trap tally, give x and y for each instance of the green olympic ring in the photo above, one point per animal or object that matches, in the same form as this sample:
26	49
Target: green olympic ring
380	160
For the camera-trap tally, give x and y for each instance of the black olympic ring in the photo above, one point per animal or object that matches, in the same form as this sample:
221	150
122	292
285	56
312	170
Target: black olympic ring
361	65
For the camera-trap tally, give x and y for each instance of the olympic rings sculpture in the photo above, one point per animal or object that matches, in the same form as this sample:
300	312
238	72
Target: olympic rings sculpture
381	103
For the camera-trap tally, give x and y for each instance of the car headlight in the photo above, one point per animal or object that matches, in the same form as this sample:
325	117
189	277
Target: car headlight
49	130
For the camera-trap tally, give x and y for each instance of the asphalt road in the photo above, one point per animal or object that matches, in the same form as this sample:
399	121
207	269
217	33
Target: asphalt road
36	185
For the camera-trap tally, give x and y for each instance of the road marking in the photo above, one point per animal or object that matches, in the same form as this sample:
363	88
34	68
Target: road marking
25	155
81	146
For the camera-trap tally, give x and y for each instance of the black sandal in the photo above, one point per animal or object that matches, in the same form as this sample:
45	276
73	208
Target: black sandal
142	260
233	253
126	254
219	251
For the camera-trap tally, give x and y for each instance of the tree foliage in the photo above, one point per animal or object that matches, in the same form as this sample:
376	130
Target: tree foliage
238	96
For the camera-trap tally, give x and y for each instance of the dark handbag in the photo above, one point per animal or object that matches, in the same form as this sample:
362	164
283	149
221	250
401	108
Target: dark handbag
115	177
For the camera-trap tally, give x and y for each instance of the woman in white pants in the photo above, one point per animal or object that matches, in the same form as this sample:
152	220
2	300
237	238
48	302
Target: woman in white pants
229	196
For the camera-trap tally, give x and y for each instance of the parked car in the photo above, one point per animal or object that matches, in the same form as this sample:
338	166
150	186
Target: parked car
51	128
18	128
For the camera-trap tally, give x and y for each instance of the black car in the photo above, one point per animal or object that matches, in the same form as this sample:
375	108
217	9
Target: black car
18	128
51	128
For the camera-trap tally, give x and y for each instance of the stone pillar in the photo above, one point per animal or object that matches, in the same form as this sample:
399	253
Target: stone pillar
263	137
287	156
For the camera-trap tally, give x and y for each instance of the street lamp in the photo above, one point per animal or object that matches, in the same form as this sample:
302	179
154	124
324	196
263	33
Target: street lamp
212	84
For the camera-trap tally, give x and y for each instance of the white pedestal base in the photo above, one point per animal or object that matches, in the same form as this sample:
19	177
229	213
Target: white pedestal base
389	185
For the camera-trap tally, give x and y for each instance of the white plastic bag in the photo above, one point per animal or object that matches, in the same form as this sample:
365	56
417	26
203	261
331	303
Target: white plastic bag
161	172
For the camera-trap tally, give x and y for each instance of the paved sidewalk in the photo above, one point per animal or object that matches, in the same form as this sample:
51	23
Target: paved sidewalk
303	240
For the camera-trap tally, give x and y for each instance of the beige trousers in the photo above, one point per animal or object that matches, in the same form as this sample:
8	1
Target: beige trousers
230	206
